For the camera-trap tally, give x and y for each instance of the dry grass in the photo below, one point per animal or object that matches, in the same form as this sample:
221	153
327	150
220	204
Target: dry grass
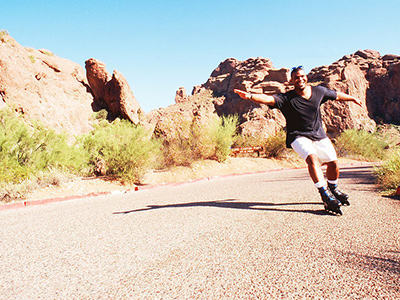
10	191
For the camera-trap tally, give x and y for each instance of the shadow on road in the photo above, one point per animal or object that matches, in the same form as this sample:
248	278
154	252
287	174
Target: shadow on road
360	174
393	197
381	264
363	173
233	203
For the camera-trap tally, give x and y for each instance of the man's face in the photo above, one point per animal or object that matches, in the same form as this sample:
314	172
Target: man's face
299	80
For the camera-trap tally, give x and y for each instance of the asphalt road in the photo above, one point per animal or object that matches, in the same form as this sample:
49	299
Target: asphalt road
262	236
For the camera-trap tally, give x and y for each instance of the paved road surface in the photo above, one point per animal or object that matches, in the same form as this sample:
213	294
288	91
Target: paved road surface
263	236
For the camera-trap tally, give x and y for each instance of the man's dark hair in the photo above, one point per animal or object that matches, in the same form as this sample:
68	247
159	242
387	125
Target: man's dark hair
295	69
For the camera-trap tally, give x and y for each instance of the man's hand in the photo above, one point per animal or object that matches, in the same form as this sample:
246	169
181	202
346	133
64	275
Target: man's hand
358	102
257	98
243	94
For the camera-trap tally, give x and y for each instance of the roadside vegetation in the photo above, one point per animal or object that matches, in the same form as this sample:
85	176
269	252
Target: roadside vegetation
362	145
28	152
193	140
381	147
33	156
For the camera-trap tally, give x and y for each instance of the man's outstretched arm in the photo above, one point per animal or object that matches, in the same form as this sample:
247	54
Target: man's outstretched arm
344	97
257	98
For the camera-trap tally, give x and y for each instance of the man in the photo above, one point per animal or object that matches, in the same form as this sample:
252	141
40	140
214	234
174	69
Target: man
305	134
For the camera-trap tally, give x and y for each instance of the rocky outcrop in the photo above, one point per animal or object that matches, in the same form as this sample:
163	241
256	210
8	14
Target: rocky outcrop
56	91
367	76
44	87
256	75
112	92
339	116
181	95
383	96
167	122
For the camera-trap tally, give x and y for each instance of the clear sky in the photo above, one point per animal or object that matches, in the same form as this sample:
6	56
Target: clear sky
161	45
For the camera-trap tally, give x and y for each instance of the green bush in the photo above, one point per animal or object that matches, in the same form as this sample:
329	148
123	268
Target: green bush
361	144
275	145
182	144
126	149
191	140
25	150
388	174
224	133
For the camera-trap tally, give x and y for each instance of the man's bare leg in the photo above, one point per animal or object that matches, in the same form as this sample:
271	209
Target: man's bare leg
314	168
332	170
317	176
332	174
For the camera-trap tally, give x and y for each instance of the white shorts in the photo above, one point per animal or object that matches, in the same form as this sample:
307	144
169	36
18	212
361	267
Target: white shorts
323	149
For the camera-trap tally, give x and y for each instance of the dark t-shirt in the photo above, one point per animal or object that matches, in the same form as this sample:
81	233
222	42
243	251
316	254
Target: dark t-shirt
303	117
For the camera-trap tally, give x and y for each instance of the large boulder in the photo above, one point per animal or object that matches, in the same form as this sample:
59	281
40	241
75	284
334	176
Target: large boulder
339	116
44	87
384	94
181	95
112	92
374	79
256	75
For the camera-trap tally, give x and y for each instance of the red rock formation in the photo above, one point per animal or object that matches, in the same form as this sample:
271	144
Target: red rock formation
367	76
383	97
112	92
56	92
181	95
44	87
256	75
168	121
364	74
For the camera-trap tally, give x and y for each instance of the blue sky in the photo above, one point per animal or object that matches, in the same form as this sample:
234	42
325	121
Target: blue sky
162	45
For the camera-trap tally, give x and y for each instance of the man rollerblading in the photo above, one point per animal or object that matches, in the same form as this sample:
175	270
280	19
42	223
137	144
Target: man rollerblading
342	197
305	133
330	202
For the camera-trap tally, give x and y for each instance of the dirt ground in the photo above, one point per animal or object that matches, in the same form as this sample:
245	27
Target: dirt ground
199	170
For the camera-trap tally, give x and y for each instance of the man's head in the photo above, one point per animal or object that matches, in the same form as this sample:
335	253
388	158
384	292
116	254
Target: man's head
298	78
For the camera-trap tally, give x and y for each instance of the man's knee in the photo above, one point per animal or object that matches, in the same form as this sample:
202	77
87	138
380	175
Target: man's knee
333	164
312	160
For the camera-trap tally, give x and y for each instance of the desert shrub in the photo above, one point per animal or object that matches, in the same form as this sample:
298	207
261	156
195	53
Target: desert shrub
126	149
182	144
275	145
193	140
12	191
361	144
390	133
99	115
388	173
224	133
26	150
